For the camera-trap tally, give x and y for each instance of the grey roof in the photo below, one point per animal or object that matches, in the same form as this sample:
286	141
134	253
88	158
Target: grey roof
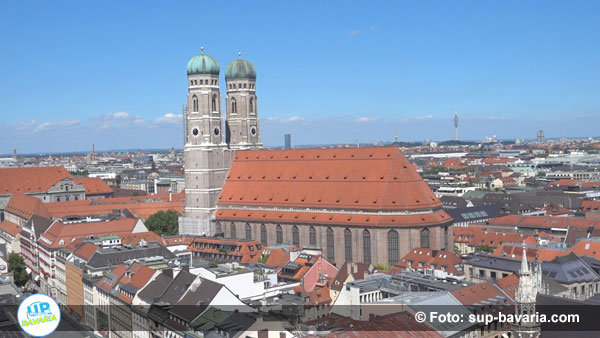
40	225
3	251
476	213
197	300
177	288
569	269
493	262
415	281
453	202
114	256
155	289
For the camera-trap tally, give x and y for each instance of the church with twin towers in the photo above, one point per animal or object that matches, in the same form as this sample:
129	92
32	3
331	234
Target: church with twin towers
210	142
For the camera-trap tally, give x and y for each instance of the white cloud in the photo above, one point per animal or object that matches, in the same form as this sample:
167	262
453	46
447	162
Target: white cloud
354	32
58	124
121	115
424	117
170	118
496	118
365	119
374	29
294	118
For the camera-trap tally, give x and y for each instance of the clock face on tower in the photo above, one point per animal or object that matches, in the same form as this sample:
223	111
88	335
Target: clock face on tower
216	131
195	131
253	130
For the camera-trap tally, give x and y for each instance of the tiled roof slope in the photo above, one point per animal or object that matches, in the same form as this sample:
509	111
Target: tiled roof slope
25	206
93	185
339	178
30	179
10	227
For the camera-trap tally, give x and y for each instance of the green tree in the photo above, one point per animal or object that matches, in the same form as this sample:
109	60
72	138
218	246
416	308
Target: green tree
485	248
164	223
17	266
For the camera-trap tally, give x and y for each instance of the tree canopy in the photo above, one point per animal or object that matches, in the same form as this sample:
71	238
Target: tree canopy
17	266
164	222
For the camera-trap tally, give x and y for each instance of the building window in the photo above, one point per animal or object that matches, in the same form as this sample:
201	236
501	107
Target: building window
214	102
194	103
446	238
312	236
347	245
393	246
219	229
233	106
248	231
252	105
366	247
263	234
425	238
295	236
232	230
330	245
279	234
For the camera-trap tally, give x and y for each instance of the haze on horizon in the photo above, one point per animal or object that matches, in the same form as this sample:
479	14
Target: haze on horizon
113	73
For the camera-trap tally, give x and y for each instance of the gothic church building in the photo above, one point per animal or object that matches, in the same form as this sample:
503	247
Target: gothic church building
355	204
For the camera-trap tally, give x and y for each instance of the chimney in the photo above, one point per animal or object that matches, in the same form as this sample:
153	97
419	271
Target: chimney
355	268
349	267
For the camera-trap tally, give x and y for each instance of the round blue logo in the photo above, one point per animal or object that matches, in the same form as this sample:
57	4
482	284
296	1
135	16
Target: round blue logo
38	315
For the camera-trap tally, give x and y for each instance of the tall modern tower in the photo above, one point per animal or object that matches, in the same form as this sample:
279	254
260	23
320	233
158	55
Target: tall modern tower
288	141
455	126
525	299
541	136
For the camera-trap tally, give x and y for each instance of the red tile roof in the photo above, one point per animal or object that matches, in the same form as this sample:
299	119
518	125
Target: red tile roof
339	178
24	206
86	251
135	238
10	228
508	284
93	185
30	179
479	293
538	254
420	259
277	258
69	232
587	248
590	205
542	222
142	207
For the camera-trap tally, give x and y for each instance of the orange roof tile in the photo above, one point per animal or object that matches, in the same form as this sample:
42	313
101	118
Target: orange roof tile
587	248
86	251
24	206
93	185
479	293
69	232
338	178
277	258
135	238
508	284
30	179
10	228
420	258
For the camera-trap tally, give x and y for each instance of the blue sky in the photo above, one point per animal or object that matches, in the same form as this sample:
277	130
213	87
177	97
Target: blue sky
113	72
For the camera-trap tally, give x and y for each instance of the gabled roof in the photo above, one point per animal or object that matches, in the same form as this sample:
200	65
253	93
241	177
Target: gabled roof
93	185
68	232
197	299
86	251
155	289
481	294
420	258
569	269
38	223
30	179
339	178
10	228
24	206
177	288
356	270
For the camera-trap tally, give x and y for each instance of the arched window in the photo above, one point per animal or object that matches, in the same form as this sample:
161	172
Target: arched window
366	247
219	230
232	230
312	236
295	236
330	245
233	106
279	234
248	231
214	102
194	103
425	238
393	252
252	105
347	245
263	234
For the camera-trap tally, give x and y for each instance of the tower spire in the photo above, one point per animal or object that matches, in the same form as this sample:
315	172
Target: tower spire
455	123
524	266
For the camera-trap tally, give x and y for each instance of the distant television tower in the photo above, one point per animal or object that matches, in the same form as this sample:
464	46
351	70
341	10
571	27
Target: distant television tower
455	125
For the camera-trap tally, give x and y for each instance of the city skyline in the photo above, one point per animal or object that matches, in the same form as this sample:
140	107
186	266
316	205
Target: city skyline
118	80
